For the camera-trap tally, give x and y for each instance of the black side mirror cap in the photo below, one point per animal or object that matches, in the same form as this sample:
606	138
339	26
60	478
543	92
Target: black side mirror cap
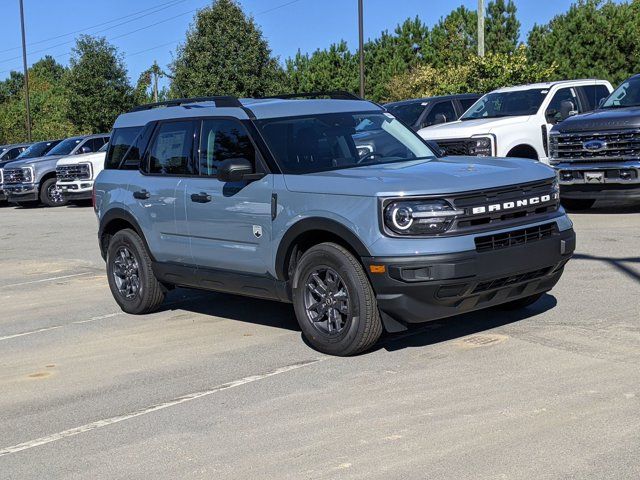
237	170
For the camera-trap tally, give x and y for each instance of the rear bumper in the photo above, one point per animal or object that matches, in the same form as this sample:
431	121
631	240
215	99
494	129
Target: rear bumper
420	289
21	192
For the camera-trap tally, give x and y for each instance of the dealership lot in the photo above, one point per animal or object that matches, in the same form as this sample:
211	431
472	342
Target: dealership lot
217	386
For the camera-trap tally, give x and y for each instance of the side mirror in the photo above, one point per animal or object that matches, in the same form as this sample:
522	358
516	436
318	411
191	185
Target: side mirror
440	118
567	109
237	170
552	115
84	149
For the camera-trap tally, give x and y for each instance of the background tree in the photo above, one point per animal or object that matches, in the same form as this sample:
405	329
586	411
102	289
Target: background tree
224	54
502	27
595	38
97	84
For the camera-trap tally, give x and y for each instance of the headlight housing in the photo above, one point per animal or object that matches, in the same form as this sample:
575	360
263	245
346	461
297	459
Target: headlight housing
481	147
419	217
27	174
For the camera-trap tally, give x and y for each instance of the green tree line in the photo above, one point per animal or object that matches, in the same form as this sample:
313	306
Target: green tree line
225	53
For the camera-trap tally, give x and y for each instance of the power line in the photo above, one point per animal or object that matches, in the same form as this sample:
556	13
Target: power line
160	7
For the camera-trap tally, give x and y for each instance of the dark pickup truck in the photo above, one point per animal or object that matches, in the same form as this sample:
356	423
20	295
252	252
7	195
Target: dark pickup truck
597	154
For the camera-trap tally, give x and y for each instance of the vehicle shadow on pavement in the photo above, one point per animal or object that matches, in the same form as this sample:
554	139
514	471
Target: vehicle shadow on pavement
607	208
235	307
617	263
461	326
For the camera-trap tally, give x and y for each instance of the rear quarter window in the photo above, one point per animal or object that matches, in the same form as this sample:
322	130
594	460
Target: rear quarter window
123	152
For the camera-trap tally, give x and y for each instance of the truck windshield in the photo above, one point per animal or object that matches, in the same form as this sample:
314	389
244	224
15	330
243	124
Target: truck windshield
626	95
37	150
65	147
507	104
340	140
408	112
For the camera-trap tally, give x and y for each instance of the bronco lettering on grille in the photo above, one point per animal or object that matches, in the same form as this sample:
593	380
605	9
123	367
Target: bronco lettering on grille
499	207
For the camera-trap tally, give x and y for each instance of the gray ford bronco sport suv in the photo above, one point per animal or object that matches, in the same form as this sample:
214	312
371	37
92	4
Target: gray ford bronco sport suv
285	199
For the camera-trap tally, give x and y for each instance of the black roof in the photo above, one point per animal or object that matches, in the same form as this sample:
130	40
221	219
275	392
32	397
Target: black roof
429	99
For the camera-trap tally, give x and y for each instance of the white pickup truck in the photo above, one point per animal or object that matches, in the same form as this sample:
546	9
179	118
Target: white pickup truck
75	174
515	121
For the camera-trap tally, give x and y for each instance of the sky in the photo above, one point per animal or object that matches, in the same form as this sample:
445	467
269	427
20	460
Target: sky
148	30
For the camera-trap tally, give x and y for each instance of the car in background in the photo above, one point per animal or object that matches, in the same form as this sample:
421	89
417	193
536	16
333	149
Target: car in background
32	181
35	150
11	152
75	174
515	121
424	112
597	154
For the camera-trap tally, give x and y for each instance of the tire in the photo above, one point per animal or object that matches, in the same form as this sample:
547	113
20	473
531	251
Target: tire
577	203
521	302
128	260
346	315
50	196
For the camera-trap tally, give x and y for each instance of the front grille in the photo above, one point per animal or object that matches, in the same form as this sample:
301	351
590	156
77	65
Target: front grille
73	172
456	147
515	237
512	280
616	145
518	195
13	175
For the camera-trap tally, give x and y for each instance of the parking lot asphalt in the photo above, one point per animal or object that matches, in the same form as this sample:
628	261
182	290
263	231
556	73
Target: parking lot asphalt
219	386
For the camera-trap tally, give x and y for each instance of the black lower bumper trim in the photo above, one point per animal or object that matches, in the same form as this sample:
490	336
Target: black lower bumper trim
605	191
419	289
71	195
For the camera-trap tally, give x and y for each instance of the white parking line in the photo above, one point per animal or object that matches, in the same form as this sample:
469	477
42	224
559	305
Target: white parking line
154	408
43	280
16	335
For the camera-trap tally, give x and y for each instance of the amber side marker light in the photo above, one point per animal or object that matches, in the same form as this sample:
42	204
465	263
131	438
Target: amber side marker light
377	268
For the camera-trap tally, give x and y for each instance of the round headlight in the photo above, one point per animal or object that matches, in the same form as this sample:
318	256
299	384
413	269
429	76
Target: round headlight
419	217
401	217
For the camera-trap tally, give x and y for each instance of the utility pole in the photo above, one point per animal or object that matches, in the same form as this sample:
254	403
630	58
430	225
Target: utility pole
361	47
26	74
481	28
155	81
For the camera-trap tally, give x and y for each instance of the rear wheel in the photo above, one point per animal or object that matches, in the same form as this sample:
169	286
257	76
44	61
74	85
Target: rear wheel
334	302
521	302
130	274
577	203
51	195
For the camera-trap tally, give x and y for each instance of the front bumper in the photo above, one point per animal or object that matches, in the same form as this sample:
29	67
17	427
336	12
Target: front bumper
21	192
76	190
599	181
425	288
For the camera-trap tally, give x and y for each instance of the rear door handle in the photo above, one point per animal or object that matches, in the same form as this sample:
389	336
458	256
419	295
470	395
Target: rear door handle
201	197
141	194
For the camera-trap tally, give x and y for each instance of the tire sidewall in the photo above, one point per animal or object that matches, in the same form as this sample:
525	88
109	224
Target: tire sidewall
126	238
326	256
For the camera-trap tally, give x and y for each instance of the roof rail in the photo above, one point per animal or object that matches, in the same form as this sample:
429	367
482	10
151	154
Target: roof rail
220	101
335	94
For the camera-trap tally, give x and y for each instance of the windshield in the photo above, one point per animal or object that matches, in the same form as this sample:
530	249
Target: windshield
65	147
340	140
507	104
37	150
626	95
409	113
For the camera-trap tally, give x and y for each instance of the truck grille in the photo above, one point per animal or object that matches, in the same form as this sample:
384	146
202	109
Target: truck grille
13	175
605	146
456	147
516	237
73	172
516	196
1	176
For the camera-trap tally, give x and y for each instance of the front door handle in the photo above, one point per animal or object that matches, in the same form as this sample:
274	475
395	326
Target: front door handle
141	194
201	197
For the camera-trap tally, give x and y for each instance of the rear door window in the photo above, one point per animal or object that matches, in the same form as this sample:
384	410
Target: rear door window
171	150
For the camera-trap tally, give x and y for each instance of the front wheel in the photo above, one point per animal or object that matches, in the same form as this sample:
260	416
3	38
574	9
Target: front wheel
334	302
577	203
130	274
51	195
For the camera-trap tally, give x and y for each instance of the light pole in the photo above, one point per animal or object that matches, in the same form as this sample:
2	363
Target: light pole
481	28
26	74
361	46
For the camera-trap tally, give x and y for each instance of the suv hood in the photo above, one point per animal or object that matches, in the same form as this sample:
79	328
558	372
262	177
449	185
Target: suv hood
609	119
468	128
422	177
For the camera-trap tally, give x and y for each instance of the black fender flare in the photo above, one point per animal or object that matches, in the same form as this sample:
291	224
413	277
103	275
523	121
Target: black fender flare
309	224
122	215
